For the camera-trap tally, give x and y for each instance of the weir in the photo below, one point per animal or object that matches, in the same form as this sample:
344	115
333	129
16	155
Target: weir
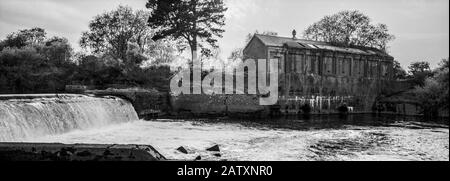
23	117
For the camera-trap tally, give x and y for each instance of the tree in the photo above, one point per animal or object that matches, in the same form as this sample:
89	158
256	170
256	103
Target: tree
24	37
57	50
399	72
19	67
419	67
419	72
198	22
164	51
31	63
443	64
434	94
113	31
349	28
122	32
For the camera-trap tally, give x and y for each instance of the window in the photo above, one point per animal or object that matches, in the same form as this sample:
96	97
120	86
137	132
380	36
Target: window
293	62
311	46
334	66
349	67
328	63
340	70
384	70
361	67
299	63
308	64
313	64
355	69
281	64
301	45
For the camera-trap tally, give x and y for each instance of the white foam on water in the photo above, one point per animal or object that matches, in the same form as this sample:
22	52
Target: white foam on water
22	119
238	142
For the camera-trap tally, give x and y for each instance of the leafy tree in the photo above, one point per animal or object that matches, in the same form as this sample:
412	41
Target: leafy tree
163	52
113	31
399	72
419	71
419	67
443	64
198	22
31	63
58	51
24	37
123	32
434	94
349	28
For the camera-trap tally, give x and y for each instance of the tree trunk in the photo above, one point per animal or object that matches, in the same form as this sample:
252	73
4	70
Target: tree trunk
196	70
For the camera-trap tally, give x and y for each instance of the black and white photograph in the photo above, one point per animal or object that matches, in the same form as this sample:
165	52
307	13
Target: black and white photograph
224	81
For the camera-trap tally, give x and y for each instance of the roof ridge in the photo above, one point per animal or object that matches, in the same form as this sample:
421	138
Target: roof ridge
324	42
277	36
296	39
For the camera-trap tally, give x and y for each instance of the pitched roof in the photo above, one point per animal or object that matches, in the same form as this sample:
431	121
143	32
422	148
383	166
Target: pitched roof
277	41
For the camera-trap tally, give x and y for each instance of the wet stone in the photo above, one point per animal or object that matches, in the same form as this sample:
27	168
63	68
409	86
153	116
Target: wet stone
182	150
214	148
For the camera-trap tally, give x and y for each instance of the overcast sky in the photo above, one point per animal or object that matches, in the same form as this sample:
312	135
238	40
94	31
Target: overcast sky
421	27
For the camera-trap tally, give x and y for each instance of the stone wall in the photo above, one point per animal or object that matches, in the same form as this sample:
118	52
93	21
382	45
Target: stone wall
327	80
147	103
215	104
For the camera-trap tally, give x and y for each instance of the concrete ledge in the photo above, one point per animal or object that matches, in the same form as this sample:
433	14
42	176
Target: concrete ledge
77	152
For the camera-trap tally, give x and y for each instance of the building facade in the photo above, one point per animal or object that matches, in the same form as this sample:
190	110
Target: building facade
318	77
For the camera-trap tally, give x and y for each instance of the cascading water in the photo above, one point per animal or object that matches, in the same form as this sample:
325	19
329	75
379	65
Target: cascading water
22	119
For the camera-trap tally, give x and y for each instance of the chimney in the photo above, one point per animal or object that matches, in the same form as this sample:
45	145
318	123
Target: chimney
294	33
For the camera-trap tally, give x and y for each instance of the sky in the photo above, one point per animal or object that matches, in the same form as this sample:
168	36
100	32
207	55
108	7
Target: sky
421	27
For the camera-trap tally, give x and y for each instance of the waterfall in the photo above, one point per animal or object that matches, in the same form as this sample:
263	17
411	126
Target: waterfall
25	118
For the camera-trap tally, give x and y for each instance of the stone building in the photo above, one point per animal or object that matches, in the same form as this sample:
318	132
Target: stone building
319	77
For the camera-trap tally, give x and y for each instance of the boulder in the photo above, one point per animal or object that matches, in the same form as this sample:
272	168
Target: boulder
182	150
214	148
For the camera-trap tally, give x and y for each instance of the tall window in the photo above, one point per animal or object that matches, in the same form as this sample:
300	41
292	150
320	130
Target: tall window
280	64
299	64
313	63
349	67
355	69
293	62
328	63
334	65
340	67
361	68
308	64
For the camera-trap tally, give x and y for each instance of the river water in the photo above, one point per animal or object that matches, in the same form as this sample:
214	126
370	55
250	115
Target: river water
84	119
33	116
316	139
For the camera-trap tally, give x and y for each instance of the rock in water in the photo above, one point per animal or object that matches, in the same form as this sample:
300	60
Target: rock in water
182	150
214	148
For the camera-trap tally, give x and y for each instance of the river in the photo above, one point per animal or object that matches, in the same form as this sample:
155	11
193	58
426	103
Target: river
252	140
110	120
